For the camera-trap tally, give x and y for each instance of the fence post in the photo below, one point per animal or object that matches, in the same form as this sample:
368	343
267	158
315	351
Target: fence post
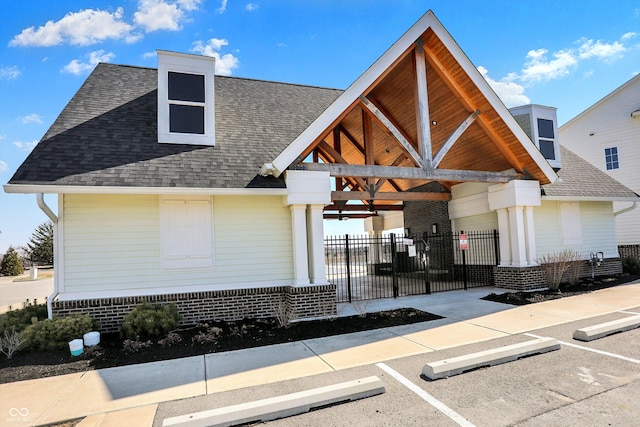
496	248
394	269
464	266
348	261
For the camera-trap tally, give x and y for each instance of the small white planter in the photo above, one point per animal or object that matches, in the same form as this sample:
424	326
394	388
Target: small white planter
76	347
91	339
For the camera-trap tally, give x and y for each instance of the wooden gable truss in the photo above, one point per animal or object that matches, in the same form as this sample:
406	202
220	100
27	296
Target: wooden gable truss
424	117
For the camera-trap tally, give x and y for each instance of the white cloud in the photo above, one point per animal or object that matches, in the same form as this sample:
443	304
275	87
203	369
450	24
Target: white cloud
81	28
9	73
149	55
3	166
538	68
31	118
223	7
93	58
589	49
154	15
510	92
628	36
25	146
225	64
251	7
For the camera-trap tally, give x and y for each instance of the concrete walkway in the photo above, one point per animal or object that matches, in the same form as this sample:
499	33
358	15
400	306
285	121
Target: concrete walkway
128	395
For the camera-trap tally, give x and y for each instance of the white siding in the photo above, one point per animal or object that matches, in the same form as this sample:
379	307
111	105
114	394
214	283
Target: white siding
609	124
112	243
597	229
627	224
488	221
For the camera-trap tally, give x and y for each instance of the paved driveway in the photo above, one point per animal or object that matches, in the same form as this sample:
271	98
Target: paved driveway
16	290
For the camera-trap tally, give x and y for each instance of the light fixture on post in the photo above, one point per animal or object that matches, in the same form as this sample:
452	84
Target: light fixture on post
434	228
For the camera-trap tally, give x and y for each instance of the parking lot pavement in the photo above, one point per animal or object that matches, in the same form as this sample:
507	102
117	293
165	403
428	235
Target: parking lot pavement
594	383
14	292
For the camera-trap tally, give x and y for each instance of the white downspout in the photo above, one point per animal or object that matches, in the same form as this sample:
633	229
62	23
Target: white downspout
625	210
42	205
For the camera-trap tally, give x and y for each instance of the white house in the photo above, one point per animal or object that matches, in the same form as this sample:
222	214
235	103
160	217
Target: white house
607	135
175	185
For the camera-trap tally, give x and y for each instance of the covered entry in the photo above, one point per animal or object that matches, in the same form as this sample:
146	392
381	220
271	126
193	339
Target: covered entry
418	123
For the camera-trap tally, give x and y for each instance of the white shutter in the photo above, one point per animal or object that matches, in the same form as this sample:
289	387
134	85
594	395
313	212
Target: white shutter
186	232
571	224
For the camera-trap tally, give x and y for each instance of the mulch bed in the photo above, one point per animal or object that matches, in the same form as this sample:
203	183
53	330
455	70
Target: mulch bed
234	336
583	286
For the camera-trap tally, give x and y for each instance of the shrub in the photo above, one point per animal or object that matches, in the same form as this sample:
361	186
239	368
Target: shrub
19	319
150	321
55	334
10	343
631	265
554	265
11	264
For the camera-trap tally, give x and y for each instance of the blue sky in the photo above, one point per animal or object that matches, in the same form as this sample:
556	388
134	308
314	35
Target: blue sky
567	54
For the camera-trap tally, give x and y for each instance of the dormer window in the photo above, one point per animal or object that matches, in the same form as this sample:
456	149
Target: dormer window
540	124
185	99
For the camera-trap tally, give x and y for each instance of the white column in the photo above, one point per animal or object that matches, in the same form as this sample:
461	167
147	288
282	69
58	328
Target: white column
516	228
530	236
299	231
505	237
315	233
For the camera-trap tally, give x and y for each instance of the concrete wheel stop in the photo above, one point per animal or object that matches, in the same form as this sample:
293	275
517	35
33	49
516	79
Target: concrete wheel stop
281	406
601	330
457	365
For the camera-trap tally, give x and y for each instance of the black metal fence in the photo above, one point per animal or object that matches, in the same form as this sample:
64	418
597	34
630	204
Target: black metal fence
365	267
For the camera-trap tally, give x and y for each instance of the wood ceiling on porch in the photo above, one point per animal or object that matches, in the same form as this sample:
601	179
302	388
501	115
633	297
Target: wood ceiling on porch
423	120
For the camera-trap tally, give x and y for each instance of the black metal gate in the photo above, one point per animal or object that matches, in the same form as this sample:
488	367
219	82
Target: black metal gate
365	267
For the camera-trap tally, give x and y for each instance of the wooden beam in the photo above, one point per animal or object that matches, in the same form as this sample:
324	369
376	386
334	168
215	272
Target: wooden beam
469	105
367	134
337	157
396	172
422	104
348	215
358	208
394	131
392	196
453	138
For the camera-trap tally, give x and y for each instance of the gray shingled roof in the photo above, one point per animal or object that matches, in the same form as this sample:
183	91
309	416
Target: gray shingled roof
579	178
107	134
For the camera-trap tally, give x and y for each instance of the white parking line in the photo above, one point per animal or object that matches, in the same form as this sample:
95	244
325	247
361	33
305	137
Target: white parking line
629	312
453	415
593	350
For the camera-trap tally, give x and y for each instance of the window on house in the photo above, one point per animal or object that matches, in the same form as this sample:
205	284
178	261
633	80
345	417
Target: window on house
186	103
185	99
186	232
546	137
611	158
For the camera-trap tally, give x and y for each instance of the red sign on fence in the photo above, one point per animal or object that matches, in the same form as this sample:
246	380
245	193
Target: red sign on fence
464	242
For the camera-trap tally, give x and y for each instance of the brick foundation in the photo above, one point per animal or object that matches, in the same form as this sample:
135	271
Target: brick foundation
228	305
528	278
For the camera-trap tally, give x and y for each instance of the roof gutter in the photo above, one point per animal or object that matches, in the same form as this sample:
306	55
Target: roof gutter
56	289
627	209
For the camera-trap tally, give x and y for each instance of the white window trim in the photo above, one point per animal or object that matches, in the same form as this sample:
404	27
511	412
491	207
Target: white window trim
606	164
188	64
203	229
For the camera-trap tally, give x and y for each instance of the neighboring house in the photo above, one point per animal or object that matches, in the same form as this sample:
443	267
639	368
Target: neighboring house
607	135
210	192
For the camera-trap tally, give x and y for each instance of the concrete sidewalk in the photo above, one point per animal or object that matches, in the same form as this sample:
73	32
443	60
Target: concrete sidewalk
129	395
